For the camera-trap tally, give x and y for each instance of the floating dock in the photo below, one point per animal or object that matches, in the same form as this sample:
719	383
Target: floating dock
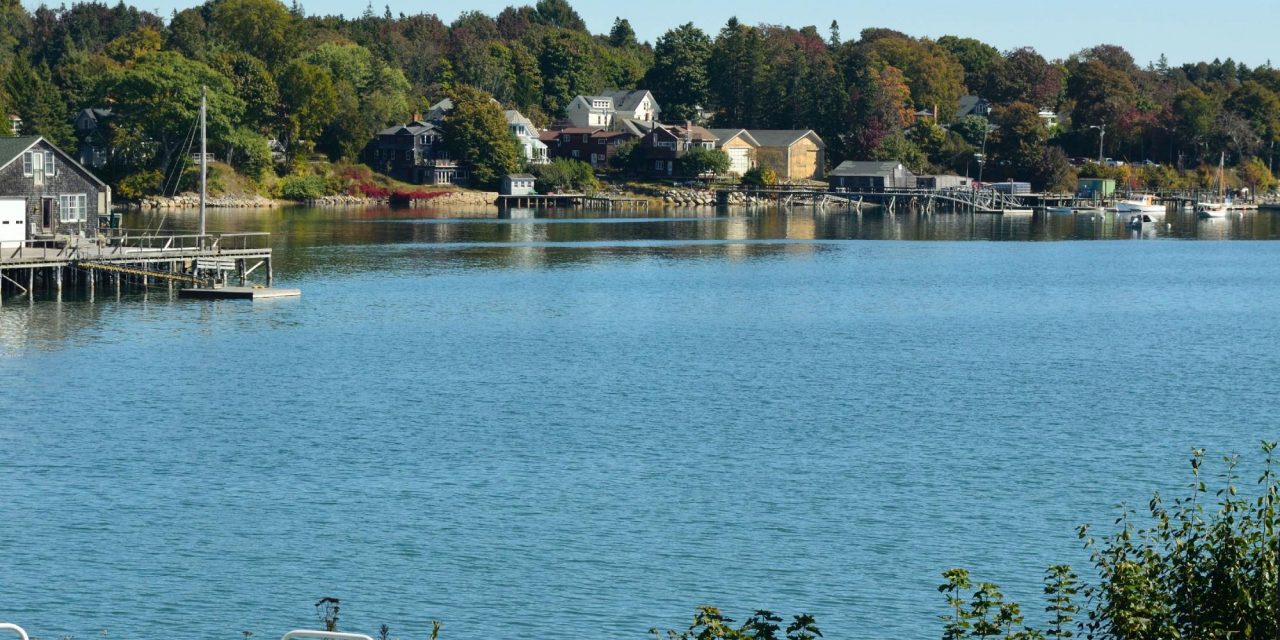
237	293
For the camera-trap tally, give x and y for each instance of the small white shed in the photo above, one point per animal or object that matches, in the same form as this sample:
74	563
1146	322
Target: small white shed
518	184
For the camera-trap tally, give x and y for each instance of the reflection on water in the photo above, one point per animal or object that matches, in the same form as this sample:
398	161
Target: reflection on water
525	425
525	230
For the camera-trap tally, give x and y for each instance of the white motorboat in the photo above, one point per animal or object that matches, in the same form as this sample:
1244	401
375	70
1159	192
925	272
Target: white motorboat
1140	203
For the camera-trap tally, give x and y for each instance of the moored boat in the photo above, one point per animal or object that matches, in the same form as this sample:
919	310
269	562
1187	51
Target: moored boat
1140	203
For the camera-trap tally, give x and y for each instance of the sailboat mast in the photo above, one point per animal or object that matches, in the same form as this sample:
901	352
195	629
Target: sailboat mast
204	158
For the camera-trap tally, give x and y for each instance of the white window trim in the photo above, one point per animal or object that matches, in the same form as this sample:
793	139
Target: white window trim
73	207
49	169
27	164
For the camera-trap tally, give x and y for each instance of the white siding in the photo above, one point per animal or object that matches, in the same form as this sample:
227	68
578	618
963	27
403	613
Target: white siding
739	160
13	222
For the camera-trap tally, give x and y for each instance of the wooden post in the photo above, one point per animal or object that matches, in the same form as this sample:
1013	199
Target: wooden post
31	283
270	273
58	279
91	277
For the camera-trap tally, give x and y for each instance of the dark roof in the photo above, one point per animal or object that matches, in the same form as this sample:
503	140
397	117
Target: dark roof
411	129
968	104
783	137
869	168
635	127
695	132
11	148
628	100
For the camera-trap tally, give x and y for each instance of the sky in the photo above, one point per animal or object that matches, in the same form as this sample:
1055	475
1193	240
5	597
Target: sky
1183	30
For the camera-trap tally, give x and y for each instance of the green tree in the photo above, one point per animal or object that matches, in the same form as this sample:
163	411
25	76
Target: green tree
622	35
679	73
566	64
159	98
475	132
565	174
735	75
558	13
1020	136
1260	106
247	151
698	162
37	100
982	63
308	100
933	74
255	85
262	28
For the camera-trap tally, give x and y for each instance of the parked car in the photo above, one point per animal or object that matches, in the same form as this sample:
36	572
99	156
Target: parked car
1113	163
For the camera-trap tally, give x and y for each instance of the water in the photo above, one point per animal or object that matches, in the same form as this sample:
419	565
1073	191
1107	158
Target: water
532	428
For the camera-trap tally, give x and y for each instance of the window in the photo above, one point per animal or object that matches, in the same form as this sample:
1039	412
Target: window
37	161
575	153
26	164
48	164
71	208
658	164
586	137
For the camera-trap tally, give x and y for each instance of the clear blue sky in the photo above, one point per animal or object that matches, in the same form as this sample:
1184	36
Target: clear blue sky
1184	30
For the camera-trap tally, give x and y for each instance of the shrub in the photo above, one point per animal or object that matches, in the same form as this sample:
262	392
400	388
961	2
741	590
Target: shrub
302	187
136	186
760	177
698	162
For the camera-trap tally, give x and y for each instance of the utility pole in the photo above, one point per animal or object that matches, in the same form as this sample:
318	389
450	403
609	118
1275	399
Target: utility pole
1102	135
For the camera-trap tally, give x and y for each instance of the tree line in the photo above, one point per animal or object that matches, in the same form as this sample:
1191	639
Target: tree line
323	85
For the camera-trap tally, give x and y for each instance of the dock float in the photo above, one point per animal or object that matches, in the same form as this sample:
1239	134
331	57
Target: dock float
237	293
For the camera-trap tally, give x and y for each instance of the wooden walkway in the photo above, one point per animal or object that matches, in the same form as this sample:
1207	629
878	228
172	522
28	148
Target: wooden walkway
139	258
572	200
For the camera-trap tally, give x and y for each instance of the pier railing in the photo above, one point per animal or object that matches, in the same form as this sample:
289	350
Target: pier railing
160	242
125	243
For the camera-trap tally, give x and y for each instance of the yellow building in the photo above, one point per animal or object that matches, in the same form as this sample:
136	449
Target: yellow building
740	146
792	153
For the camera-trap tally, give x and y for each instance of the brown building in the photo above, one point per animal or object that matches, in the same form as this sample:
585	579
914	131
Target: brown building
792	154
592	145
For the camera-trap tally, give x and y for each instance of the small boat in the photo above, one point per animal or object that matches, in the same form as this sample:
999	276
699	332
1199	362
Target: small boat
1140	222
1140	203
1222	206
1214	209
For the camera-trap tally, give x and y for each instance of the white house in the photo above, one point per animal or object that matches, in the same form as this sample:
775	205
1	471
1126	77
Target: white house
611	108
531	148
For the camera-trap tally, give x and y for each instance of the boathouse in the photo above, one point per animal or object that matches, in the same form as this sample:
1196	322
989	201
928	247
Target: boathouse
45	193
792	154
871	176
1095	187
741	148
517	184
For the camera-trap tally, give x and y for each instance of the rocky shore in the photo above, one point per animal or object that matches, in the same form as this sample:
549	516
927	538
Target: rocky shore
683	197
191	201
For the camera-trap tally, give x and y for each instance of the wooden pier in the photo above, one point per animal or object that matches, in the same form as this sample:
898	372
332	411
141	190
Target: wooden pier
125	259
573	200
927	200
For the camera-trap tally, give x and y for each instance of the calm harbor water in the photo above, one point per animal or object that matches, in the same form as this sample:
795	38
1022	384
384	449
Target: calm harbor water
587	426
